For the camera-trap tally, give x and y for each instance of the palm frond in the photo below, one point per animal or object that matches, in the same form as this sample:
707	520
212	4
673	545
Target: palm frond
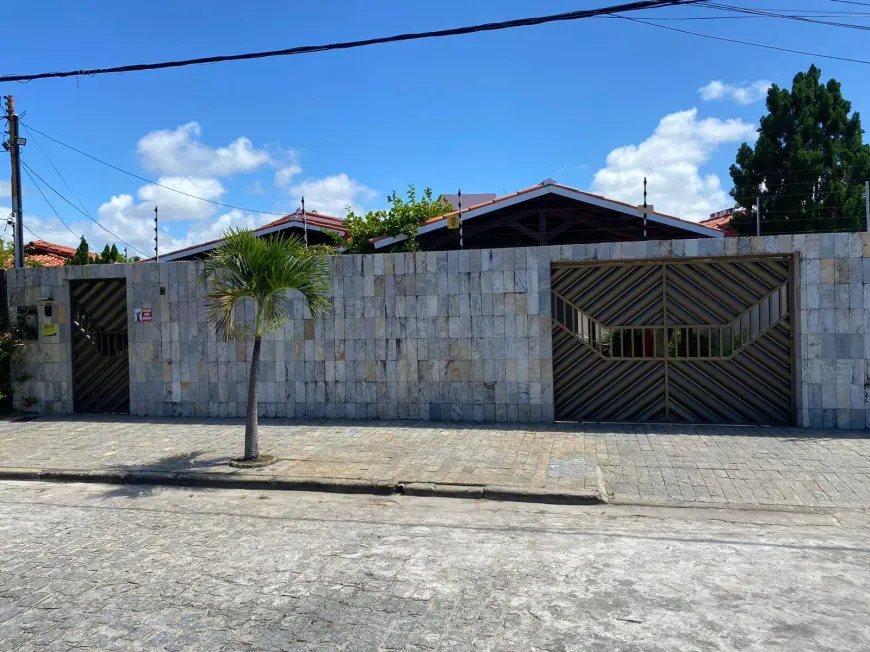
262	269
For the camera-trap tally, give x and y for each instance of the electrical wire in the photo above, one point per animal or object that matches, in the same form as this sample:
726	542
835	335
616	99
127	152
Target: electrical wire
87	215
836	15
35	235
53	209
738	41
852	2
151	181
770	14
306	49
51	163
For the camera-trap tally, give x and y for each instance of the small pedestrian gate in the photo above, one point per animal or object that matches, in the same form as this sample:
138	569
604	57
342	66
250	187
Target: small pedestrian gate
692	341
101	376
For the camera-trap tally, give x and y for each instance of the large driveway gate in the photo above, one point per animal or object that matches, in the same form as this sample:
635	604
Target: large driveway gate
693	341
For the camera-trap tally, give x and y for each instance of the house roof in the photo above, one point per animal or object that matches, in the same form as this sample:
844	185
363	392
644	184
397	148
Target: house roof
43	247
721	221
549	186
313	221
49	254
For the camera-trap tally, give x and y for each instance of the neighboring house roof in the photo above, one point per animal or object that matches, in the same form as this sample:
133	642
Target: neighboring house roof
313	222
49	254
721	221
550	187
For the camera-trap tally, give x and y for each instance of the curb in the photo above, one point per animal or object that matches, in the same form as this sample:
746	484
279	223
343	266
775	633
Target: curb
331	485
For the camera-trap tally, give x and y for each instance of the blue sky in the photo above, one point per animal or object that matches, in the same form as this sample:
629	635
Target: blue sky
595	104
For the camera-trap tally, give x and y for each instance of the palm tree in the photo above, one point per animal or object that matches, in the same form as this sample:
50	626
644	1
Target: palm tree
262	270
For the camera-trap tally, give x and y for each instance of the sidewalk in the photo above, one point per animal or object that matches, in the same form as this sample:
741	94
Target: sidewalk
660	464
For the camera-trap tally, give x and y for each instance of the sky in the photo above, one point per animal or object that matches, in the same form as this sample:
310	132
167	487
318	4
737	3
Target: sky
597	104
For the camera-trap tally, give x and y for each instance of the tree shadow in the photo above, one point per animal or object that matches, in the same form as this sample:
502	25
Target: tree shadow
146	479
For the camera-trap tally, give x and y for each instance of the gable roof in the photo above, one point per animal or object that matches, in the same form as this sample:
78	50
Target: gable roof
313	222
548	187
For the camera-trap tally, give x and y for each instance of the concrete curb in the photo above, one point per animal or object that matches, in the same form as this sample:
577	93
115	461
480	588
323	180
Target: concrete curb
237	480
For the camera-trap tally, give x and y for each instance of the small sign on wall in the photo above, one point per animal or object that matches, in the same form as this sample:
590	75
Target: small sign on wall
49	329
142	314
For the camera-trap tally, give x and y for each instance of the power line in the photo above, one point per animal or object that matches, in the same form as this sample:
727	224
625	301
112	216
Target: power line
757	45
346	45
753	15
51	163
151	181
87	215
852	2
770	14
32	233
53	209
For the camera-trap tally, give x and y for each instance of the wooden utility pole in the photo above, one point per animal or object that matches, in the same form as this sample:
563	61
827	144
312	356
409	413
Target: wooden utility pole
13	145
156	235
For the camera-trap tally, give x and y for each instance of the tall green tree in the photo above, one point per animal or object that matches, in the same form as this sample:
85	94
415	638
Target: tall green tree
82	255
109	256
402	218
262	270
808	165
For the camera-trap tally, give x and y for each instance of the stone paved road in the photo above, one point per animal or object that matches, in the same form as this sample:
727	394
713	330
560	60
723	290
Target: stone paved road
723	465
95	567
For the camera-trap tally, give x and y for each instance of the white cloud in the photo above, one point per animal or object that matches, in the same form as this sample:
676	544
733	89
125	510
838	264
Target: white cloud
175	206
179	152
133	220
212	229
285	175
5	189
670	159
332	195
746	93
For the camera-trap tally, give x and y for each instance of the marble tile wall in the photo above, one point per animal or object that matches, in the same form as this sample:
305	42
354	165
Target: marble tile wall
459	335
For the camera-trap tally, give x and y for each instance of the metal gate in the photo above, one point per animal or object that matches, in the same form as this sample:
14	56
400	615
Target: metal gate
692	341
101	376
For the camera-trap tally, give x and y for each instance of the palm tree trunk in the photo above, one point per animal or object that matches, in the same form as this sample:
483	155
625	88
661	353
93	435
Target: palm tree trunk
252	442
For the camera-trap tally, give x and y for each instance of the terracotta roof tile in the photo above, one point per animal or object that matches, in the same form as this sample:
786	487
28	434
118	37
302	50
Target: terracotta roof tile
315	219
722	222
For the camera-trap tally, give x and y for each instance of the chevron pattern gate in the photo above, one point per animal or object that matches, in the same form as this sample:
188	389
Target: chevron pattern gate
101	375
691	341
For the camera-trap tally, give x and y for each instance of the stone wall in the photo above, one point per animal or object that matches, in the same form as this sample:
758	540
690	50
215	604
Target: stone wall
460	335
443	336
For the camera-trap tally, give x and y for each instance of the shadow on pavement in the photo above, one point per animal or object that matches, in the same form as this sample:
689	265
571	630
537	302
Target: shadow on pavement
189	462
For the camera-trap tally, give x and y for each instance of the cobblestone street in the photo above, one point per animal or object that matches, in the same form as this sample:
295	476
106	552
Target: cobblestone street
102	567
672	464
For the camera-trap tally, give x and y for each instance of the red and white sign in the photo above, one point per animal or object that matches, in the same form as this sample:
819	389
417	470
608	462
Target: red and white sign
146	314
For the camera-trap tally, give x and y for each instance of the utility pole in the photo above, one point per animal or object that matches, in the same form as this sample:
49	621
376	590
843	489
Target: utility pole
304	223
156	243
758	215
13	146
